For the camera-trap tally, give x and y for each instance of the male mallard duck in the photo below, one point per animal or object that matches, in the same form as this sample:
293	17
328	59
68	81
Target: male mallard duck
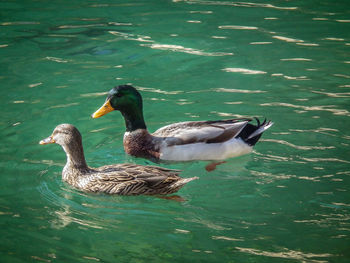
183	141
121	179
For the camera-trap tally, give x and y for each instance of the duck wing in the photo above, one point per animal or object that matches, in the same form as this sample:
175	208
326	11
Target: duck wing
121	173
133	179
201	131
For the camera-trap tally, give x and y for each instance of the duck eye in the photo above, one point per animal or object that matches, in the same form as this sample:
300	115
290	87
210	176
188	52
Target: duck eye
119	95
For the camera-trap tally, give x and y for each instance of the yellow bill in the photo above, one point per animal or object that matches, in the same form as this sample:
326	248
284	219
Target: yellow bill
106	107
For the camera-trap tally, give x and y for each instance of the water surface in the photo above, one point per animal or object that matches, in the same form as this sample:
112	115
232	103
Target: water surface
287	61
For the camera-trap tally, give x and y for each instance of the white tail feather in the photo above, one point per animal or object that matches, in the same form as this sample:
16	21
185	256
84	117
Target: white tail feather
261	129
183	181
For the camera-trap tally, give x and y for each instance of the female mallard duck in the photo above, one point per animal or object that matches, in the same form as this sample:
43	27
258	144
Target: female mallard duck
183	141
121	179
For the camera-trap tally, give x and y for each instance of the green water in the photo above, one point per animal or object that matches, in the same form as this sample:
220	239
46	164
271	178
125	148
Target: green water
288	61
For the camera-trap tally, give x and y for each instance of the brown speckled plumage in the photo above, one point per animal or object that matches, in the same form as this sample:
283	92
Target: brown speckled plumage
121	179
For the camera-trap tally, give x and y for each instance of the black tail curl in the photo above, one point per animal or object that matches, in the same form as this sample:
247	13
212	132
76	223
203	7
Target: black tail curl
252	133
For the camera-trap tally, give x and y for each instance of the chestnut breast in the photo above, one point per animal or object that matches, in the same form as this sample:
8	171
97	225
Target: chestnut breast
139	143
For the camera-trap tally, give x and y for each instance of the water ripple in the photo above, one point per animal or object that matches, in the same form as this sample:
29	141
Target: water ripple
66	217
238	4
35	85
239	27
170	47
201	12
95	94
81	26
19	23
226	238
64	105
275	158
295	78
328	108
178	48
174	92
59	60
127	36
226	114
274	176
299	147
334	39
325	220
238	90
323	160
288	39
286	253
342	76
204	222
320	19
334	95
319	130
296	59
46	162
221	37
307	44
92	258
244	71
260	43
